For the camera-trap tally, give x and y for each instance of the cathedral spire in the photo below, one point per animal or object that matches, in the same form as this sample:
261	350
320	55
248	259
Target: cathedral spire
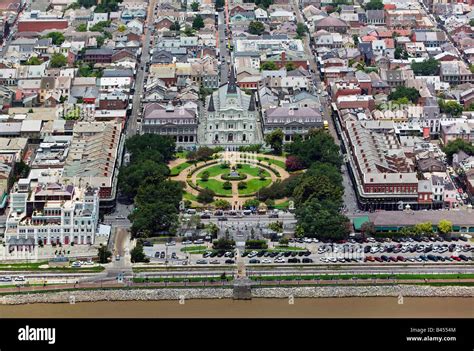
211	107
232	86
252	102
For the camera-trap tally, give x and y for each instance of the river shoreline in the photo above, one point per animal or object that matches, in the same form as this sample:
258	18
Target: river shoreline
183	294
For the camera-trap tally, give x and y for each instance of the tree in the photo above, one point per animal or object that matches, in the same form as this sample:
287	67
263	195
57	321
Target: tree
450	107
290	66
150	147
301	29
400	53
223	244
251	203
198	22
220	4
87	3
275	140
457	145
132	176
175	26
276	226
227	185
204	153
137	254
256	28
322	221
33	61
318	147
82	27
21	170
374	5
195	6
205	176
445	226
368	229
57	37
411	94
104	254
58	61
188	31
222	204
321	183
293	163
428	67
268	66
242	185
424	228
283	242
100	26
206	196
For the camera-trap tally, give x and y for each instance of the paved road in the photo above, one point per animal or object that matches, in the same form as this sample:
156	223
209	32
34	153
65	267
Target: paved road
133	127
349	193
223	50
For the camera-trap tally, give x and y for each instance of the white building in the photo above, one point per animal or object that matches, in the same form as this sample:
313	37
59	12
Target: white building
230	119
51	213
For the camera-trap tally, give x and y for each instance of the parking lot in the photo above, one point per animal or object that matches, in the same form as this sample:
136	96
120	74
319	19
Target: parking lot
427	250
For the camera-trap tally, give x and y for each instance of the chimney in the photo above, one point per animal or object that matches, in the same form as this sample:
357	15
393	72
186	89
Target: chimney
283	57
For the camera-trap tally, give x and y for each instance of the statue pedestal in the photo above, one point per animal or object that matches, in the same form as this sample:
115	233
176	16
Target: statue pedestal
242	289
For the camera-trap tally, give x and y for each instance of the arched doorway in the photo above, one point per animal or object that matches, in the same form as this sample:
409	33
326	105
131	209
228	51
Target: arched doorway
230	137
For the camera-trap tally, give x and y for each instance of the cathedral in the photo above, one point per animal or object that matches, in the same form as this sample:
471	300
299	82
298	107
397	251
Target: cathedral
229	118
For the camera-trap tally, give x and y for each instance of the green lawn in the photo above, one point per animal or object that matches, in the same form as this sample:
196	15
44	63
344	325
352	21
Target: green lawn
177	170
253	185
283	206
214	171
365	276
35	266
214	185
190	249
182	154
272	161
190	197
253	171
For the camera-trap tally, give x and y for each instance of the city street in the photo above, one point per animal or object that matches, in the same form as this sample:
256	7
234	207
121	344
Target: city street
349	193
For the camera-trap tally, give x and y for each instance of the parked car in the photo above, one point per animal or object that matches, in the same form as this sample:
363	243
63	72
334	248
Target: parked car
229	261
254	261
201	262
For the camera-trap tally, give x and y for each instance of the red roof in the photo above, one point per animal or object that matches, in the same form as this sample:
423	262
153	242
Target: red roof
389	6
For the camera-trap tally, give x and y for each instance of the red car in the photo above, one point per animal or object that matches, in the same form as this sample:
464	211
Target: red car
401	258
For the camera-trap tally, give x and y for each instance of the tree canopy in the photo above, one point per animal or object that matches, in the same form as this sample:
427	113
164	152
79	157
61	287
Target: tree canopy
275	140
268	66
256	28
451	107
145	180
198	22
58	61
318	147
57	37
457	145
411	94
428	67
374	5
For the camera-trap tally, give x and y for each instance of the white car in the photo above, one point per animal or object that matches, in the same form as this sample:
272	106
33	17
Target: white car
76	264
324	259
171	243
19	279
267	260
279	260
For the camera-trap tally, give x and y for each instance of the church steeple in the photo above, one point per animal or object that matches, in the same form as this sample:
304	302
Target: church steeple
232	85
252	102
211	107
